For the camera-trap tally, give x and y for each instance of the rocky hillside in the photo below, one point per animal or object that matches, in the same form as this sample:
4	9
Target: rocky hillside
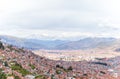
19	63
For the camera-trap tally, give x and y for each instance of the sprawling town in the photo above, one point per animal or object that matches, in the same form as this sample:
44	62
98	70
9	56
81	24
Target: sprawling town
19	63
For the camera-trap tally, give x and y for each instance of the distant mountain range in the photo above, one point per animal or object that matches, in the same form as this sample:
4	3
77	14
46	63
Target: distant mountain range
87	43
36	44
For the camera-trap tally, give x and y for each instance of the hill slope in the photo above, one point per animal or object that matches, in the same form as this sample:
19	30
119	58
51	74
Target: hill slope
19	63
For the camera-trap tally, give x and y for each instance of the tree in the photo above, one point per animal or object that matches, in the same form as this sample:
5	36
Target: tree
1	46
70	68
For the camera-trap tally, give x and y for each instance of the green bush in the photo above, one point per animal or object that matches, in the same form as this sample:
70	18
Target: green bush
1	46
19	68
17	77
32	66
3	76
6	63
70	68
58	71
40	77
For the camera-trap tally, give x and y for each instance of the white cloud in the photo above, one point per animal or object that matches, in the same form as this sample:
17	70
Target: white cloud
53	18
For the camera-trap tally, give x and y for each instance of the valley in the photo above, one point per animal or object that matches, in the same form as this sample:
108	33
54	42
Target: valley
89	58
77	55
19	63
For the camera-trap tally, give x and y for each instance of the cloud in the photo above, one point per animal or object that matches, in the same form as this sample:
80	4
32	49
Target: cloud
77	18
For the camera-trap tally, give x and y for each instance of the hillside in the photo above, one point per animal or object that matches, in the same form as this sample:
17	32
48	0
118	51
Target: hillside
33	44
20	63
87	43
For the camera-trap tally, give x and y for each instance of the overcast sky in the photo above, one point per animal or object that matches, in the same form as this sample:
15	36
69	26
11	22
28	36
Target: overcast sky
60	18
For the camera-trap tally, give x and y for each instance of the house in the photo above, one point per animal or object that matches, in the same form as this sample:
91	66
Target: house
10	77
30	77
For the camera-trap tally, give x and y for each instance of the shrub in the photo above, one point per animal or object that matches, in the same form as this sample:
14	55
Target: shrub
19	68
32	66
17	77
58	71
3	76
6	63
1	46
40	77
70	68
57	66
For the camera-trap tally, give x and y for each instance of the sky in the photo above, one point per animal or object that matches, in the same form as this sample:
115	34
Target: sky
60	18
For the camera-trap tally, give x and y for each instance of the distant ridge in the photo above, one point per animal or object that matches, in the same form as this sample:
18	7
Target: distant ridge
36	44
